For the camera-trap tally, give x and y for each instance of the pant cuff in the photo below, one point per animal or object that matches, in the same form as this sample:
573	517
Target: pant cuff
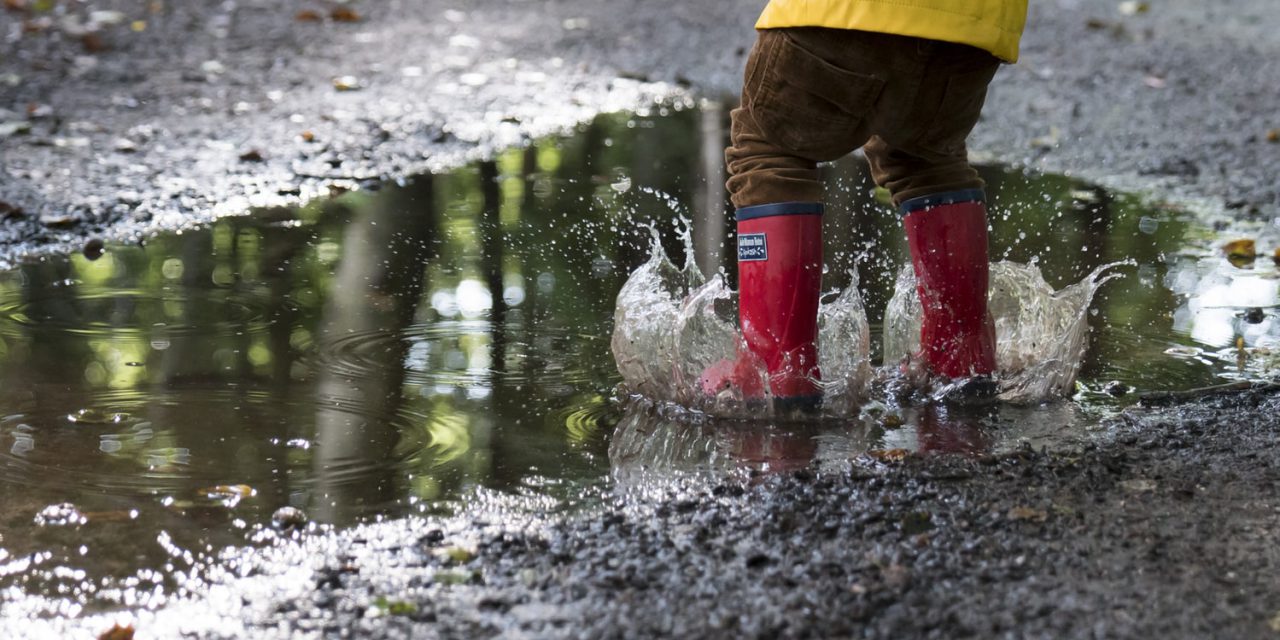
779	209
939	199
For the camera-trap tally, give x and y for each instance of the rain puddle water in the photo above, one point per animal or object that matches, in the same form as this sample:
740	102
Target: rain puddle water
446	340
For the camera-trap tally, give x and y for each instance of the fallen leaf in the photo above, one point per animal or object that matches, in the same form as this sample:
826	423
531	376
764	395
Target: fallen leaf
308	15
58	220
346	83
1240	253
117	632
396	607
344	14
1273	135
889	455
307	136
93	43
891	420
14	211
1131	8
1276	257
1138	485
229	492
1028	514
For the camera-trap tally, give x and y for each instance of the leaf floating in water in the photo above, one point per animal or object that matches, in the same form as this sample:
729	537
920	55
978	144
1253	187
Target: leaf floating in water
231	493
117	632
889	455
1028	514
1240	253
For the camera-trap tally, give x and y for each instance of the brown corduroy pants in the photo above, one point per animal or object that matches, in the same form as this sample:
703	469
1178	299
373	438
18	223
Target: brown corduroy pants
812	95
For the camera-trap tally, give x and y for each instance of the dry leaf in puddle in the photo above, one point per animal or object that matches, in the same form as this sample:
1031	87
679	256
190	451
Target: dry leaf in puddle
1240	252
889	455
229	492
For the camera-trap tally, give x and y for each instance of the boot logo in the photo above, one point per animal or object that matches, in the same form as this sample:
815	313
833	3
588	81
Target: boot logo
753	247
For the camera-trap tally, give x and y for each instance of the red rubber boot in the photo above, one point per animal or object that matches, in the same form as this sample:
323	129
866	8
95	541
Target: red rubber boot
779	283
947	234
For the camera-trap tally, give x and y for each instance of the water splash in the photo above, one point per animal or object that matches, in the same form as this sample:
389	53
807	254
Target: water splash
671	325
1040	333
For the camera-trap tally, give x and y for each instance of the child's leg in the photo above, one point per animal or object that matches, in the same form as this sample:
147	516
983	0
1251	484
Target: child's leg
797	109
944	214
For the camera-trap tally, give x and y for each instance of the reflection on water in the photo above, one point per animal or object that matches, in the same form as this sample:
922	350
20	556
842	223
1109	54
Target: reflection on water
382	352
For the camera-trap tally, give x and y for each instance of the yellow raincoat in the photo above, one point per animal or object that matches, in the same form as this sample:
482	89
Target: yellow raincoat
994	25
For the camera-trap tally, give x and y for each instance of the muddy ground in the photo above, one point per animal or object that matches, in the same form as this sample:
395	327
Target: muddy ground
1168	530
168	113
204	109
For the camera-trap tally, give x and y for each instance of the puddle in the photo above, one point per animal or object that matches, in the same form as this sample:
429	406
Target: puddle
399	351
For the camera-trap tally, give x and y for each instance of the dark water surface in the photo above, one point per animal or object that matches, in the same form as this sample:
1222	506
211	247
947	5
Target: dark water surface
390	351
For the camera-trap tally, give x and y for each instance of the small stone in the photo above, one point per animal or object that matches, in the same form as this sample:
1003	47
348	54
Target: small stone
1255	315
93	249
288	519
1116	388
252	155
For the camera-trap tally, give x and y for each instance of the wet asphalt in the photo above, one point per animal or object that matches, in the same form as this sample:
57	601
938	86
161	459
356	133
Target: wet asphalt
207	108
